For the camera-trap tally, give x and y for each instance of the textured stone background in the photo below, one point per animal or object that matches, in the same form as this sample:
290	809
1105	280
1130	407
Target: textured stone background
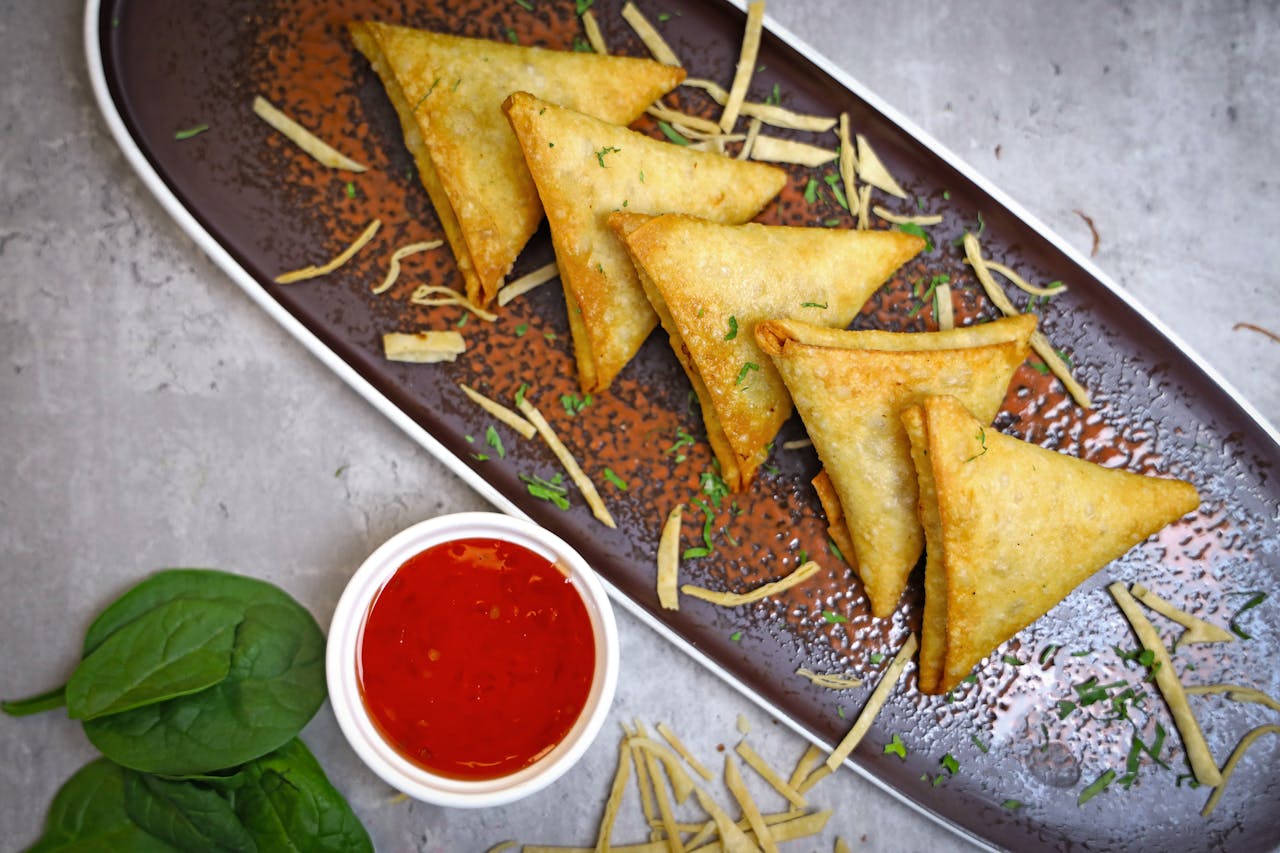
150	415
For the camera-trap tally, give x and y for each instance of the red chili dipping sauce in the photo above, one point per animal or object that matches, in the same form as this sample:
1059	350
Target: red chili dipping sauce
476	658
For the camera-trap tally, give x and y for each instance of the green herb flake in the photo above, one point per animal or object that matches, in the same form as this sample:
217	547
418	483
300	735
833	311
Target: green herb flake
552	490
802	557
671	133
896	747
969	679
521	329
811	191
981	437
581	6
187	133
683	439
831	617
775	96
698	551
480	457
573	404
494	440
1096	787
840	711
511	37
520	392
1047	654
1012	805
713	486
950	764
524	4
1256	599
600	154
876	657
914	228
733	328
820	305
746	368
351	190
982	747
618	483
462	321
736	636
835	184
1065	707
835	550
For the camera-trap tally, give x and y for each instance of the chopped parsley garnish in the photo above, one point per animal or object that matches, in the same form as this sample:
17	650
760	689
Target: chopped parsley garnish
1011	660
187	133
511	37
840	711
573	404
480	457
462	321
524	4
521	329
836	188
950	764
520	392
582	5
608	149
713	485
835	549
1257	598
683	439
1065	707
671	133
735	636
914	228
896	747
1049	651
617	481
733	328
876	657
977	741
351	190
697	551
581	45
831	223
831	617
494	440
775	96
746	368
1096	787
821	305
802	557
552	490
811	191
1012	805
982	441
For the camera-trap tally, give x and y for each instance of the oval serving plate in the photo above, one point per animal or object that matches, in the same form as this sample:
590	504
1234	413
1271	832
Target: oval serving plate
258	207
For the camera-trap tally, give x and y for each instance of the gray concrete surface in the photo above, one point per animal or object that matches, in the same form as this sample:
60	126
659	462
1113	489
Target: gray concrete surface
150	415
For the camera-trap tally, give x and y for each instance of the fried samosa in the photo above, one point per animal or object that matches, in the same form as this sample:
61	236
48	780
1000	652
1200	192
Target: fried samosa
586	169
850	388
448	91
712	283
1011	529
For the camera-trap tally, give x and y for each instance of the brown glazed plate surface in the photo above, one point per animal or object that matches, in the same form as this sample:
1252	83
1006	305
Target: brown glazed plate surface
170	66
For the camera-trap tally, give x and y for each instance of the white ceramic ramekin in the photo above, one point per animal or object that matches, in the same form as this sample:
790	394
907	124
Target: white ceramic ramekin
344	641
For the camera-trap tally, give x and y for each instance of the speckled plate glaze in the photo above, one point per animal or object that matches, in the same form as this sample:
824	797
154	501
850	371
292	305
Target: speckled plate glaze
259	208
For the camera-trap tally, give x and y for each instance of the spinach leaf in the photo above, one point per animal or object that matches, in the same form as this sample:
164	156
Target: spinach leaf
185	814
88	814
288	803
55	698
274	686
178	648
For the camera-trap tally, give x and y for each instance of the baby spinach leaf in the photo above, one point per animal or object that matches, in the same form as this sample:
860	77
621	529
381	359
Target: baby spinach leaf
177	648
288	803
55	698
185	814
275	685
88	814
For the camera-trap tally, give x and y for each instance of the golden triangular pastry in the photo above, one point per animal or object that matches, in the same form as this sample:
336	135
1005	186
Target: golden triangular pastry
1012	528
448	91
712	283
850	388
586	169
